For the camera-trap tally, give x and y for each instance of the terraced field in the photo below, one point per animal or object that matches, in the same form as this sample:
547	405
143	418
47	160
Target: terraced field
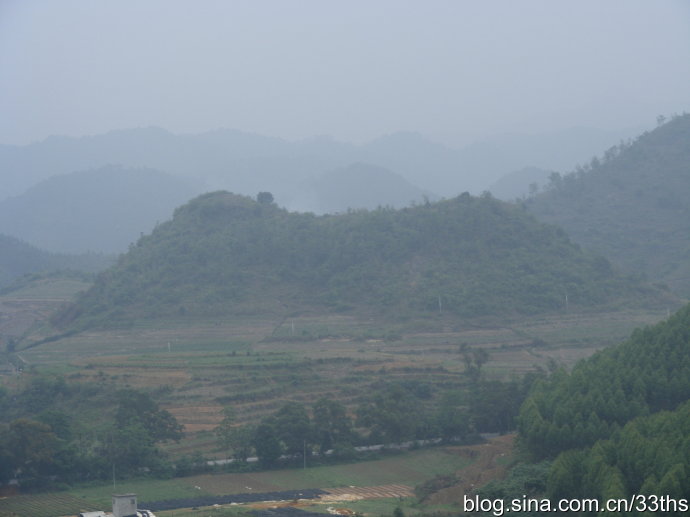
255	364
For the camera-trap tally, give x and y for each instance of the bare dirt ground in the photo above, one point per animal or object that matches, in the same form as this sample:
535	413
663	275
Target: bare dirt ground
486	466
354	493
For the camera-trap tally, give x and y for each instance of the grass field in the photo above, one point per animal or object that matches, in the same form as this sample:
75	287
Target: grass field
408	469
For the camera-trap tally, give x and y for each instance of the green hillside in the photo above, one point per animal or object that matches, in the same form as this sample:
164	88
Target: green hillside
648	373
225	254
632	206
619	423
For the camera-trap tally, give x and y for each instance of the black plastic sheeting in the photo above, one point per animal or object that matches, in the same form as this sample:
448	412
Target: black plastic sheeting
287	511
191	502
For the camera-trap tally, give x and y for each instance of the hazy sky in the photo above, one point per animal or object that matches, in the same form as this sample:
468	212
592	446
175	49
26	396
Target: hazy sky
453	70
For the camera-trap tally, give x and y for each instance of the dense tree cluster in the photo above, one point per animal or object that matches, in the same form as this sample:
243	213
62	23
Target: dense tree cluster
619	424
649	456
524	481
40	444
293	431
648	373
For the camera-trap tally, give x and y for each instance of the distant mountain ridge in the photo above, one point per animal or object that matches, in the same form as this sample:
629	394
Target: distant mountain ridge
67	196
520	184
225	254
102	210
248	163
632	205
18	258
360	185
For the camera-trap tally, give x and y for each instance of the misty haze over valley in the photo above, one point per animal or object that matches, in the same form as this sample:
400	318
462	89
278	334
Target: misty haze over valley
239	240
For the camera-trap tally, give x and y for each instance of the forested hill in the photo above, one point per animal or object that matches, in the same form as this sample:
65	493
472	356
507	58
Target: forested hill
620	421
632	206
227	254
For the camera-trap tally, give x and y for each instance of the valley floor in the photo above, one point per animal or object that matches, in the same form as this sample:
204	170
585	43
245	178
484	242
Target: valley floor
370	487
